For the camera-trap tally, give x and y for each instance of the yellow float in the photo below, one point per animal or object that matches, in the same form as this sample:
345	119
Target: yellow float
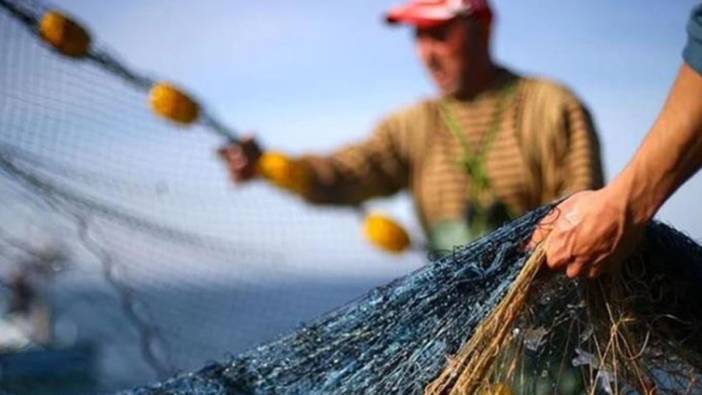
171	103
385	233
283	171
65	35
291	174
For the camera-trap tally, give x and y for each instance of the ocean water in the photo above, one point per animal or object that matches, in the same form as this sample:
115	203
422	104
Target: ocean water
196	324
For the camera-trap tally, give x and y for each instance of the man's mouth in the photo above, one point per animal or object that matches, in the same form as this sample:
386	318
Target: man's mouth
440	77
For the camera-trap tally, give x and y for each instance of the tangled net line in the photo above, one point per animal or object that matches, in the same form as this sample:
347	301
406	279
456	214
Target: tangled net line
484	319
487	320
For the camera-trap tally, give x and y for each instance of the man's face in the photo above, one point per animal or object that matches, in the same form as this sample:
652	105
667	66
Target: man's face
449	52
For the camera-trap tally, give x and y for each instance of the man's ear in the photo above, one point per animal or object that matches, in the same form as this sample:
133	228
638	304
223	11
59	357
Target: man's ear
485	23
481	27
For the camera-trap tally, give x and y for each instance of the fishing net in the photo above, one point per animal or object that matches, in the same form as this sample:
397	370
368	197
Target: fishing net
485	320
167	265
91	178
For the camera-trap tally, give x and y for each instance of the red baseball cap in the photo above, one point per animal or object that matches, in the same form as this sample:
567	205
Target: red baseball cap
430	13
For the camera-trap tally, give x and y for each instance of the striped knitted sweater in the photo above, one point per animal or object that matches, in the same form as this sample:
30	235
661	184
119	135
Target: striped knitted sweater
544	147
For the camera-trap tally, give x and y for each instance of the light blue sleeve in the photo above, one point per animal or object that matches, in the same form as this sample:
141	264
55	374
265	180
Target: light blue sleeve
693	50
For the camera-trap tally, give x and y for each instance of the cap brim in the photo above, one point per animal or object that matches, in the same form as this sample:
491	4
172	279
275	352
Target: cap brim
418	15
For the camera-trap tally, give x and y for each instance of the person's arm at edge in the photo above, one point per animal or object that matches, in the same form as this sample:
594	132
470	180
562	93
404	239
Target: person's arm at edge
670	154
594	228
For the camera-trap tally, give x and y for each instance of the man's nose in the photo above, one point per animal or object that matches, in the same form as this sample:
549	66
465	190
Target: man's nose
426	48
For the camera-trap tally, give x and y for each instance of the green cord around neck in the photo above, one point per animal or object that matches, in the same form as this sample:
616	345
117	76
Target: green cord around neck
472	161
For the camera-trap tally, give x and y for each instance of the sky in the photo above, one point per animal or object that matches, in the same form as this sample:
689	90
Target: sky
309	75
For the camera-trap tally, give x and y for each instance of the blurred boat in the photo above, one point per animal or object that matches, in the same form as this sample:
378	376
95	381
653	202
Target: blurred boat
55	370
32	359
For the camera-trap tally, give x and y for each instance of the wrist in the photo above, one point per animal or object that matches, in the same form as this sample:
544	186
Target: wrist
636	199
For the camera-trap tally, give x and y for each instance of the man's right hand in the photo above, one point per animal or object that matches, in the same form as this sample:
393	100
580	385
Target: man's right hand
241	159
588	233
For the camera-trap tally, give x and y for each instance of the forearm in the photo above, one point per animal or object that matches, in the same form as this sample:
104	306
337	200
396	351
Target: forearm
327	184
337	180
594	230
370	168
670	154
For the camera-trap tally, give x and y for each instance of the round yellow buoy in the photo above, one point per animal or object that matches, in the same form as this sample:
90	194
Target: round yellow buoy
283	172
171	103
65	35
385	233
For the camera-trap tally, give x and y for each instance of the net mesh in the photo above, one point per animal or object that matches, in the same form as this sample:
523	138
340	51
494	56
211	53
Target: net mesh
96	188
169	265
634	332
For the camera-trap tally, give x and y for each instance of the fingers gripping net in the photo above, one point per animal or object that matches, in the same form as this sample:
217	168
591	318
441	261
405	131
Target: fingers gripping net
482	321
633	331
81	157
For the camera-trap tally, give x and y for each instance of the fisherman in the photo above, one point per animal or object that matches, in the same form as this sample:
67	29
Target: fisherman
490	146
593	230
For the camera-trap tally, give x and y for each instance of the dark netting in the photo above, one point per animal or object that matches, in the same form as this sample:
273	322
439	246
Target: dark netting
396	339
96	188
637	330
166	264
624	333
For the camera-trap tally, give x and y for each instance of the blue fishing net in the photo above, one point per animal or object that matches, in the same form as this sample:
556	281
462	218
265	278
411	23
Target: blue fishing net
399	337
394	340
630	331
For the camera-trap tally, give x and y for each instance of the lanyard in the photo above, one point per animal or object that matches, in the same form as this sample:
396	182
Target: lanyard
472	161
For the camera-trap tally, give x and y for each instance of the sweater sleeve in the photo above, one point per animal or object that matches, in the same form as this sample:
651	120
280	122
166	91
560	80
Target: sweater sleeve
581	165
693	50
559	143
375	167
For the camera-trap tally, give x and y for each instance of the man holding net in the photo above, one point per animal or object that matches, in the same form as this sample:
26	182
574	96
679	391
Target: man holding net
491	146
593	230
